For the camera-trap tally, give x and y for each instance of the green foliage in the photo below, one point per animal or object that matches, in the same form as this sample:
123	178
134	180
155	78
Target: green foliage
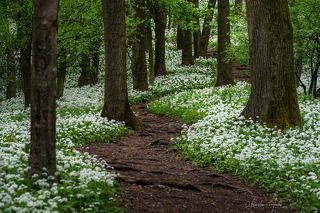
80	28
306	23
182	12
239	49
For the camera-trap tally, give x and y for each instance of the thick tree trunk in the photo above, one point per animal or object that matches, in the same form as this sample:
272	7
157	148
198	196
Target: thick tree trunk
149	47
160	17
62	71
187	57
139	65
273	97
87	75
11	75
43	77
206	31
116	104
196	35
225	75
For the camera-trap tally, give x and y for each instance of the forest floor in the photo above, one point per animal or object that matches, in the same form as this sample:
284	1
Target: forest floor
155	178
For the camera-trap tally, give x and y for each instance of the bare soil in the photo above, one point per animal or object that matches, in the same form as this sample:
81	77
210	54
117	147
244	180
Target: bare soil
154	178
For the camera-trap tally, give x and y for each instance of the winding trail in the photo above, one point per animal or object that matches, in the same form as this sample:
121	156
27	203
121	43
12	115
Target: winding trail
154	178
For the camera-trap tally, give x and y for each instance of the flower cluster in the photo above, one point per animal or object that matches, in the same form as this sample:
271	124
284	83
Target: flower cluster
84	185
287	162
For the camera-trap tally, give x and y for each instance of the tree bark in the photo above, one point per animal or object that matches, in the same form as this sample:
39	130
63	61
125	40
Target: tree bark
160	17
95	59
149	45
196	35
225	75
24	34
139	65
187	57
116	104
43	76
238	6
179	38
25	65
273	97
62	71
206	31
87	75
11	75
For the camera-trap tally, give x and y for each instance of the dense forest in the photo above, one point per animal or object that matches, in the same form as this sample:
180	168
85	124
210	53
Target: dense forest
159	106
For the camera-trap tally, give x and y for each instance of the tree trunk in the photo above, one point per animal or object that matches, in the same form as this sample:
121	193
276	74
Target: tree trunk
149	46
238	6
160	17
43	77
25	65
96	63
87	76
196	35
169	21
205	35
179	38
273	97
225	75
24	34
116	104
298	65
139	66
62	71
187	57
11	75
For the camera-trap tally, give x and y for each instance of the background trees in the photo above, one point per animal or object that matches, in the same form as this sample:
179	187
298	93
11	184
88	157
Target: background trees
80	49
139	47
306	32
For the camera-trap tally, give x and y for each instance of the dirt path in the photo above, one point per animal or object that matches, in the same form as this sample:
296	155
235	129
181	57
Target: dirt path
156	179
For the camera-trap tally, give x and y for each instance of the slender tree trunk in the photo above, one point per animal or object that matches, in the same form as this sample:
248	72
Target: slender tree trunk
96	63
238	6
298	65
179	38
206	31
273	97
196	34
87	76
187	57
139	66
43	77
25	65
160	17
149	47
116	104
24	34
11	75
225	75
62	71
169	21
